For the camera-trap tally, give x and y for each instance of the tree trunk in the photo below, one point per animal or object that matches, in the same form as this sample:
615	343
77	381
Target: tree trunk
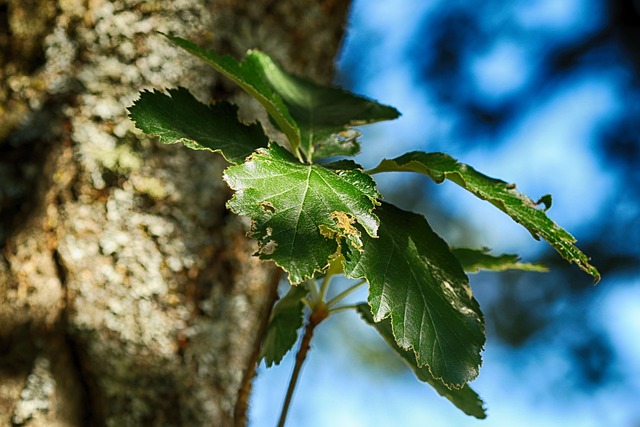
128	293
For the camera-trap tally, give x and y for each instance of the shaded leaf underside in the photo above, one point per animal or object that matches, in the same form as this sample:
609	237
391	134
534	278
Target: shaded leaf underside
249	76
474	260
315	118
179	117
323	113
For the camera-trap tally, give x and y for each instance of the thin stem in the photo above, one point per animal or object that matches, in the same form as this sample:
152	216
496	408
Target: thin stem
374	171
300	155
343	308
319	312
345	293
335	267
324	286
313	290
314	320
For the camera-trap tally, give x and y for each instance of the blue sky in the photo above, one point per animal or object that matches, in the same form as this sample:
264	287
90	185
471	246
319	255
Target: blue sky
549	146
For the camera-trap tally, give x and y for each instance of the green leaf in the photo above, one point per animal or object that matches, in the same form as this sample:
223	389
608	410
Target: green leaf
250	77
474	260
465	398
415	279
300	211
323	113
504	196
179	117
284	322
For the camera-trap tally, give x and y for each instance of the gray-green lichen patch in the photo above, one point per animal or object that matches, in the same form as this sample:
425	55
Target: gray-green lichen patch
134	244
35	397
33	294
22	29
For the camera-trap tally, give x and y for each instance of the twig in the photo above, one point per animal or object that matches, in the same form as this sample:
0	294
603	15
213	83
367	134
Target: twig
314	320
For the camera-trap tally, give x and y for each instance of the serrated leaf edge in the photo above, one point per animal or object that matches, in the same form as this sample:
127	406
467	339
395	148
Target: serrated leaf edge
580	258
275	107
322	229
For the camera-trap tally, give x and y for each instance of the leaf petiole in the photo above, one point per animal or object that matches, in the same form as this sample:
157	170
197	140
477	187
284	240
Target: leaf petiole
343	308
306	302
345	293
299	155
314	294
325	286
335	267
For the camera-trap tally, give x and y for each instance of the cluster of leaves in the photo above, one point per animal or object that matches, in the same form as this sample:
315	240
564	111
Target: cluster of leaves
315	217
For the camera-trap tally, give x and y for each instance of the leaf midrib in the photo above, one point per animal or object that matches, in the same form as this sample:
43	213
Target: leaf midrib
432	308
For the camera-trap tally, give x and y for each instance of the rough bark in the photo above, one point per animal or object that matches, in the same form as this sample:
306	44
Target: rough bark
128	294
